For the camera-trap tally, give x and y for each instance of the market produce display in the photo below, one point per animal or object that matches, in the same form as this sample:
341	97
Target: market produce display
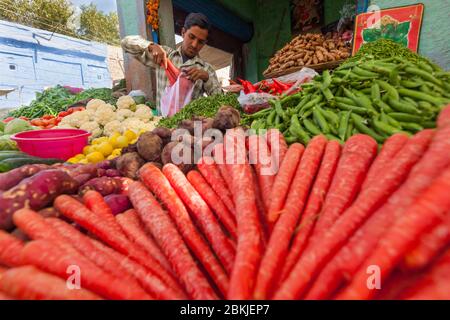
211	234
378	97
204	107
309	49
54	100
9	127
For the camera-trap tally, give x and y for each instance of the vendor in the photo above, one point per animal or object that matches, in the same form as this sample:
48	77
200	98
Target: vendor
195	34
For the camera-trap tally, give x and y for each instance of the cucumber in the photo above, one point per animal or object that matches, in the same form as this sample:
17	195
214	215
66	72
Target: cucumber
9	164
11	154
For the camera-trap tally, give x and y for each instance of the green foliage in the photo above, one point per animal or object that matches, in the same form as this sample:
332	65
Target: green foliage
53	15
397	33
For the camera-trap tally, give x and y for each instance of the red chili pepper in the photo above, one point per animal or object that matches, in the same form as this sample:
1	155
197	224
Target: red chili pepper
280	85
8	119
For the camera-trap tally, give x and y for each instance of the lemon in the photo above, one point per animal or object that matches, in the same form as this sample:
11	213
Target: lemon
79	156
116	152
72	160
95	157
100	140
111	157
141	132
130	134
134	141
105	148
88	149
83	161
122	142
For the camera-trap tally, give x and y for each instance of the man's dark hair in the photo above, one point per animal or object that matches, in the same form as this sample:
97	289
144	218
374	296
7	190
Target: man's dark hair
196	19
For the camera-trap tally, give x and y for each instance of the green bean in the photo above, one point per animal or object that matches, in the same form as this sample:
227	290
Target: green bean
343	124
296	130
366	91
320	120
425	67
333	137
350	128
271	118
303	101
377	68
277	119
401	106
391	91
375	92
383	106
327	94
384	127
358	110
411	126
411	102
410	84
428	124
393	77
312	103
339	92
311	127
424	75
329	115
364	73
364	102
393	122
290	139
405	117
366	130
326	79
345	100
290	98
419	96
279	110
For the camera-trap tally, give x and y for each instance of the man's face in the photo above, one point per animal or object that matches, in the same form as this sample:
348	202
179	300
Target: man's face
193	41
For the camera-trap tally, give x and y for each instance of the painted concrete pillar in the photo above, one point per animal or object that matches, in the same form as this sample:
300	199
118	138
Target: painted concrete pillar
132	21
166	23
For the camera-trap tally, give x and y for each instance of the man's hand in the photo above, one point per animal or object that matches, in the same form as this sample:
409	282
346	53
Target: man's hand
195	74
159	54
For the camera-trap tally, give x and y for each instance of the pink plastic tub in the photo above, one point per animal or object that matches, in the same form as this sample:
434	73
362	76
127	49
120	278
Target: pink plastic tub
52	143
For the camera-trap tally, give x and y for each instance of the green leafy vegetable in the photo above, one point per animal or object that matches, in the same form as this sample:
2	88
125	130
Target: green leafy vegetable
17	125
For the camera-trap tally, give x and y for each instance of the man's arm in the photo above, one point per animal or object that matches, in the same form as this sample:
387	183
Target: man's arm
138	48
212	86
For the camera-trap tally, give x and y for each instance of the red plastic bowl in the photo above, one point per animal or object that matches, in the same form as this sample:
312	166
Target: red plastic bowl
52	143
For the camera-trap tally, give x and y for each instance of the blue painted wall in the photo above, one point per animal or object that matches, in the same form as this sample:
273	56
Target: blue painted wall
33	59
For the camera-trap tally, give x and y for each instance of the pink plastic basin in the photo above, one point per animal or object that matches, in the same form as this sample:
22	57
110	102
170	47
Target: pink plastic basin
52	143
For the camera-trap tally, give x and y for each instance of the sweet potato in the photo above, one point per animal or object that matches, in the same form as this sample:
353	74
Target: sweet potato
11	178
103	185
35	192
118	203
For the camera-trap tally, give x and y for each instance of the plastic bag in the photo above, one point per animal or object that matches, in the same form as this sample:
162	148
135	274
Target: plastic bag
254	102
176	96
299	77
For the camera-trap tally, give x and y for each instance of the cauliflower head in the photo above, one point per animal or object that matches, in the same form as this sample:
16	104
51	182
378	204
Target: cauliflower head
64	126
94	104
143	112
112	127
133	124
104	114
93	128
76	119
123	114
126	102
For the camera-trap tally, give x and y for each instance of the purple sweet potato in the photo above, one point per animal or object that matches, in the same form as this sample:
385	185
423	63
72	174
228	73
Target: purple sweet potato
118	203
11	178
35	192
103	185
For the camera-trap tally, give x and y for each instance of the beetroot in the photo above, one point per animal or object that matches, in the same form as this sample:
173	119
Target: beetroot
118	203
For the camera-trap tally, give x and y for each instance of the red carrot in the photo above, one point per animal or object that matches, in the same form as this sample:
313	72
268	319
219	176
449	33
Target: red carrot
95	202
350	257
307	268
170	241
444	118
357	156
220	159
50	257
434	284
29	283
10	248
210	171
429	246
203	215
278	146
214	202
145	278
421	216
262	213
283	181
390	148
313	206
133	228
155	180
261	158
280	238
75	211
249	247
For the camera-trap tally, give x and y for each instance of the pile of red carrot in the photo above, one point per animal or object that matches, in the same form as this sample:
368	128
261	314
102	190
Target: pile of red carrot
334	222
